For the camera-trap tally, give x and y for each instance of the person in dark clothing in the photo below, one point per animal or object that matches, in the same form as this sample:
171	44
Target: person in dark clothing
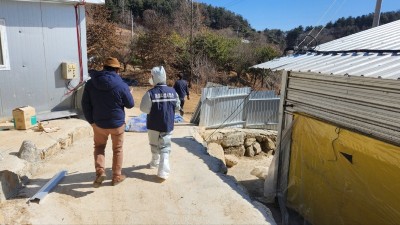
181	87
160	104
104	98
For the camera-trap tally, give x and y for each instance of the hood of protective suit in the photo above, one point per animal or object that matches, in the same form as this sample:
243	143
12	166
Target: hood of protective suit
159	75
105	80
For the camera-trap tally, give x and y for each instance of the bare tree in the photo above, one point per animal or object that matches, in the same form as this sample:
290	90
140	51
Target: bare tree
125	53
204	70
154	47
102	39
188	18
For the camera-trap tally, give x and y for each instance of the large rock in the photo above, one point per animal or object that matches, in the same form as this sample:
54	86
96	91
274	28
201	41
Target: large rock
256	148
217	151
233	139
237	151
260	138
257	132
249	142
271	144
249	151
260	172
268	145
10	184
231	160
273	137
212	136
29	152
263	135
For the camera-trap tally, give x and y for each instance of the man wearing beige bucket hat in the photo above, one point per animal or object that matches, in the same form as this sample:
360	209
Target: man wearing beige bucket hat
103	102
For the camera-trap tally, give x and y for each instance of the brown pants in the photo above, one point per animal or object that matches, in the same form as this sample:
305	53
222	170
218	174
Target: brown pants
100	141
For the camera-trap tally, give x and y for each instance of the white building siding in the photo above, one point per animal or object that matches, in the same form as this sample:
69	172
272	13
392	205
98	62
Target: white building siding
40	37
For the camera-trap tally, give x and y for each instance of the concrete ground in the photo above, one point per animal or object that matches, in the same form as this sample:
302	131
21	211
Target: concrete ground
45	145
194	193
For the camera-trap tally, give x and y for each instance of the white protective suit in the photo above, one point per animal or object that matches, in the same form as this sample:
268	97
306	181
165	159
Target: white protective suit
160	142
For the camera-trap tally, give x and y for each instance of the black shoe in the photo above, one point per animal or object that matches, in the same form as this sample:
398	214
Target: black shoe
99	180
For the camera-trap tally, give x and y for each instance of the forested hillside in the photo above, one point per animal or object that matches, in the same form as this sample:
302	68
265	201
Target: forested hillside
212	17
208	44
205	42
330	31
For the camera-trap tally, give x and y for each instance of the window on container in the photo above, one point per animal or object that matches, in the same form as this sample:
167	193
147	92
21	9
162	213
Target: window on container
4	61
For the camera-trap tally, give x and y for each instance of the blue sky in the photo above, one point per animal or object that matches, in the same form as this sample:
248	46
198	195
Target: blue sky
288	14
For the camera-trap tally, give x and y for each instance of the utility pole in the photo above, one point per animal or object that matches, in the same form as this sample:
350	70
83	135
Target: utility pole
377	14
131	23
123	11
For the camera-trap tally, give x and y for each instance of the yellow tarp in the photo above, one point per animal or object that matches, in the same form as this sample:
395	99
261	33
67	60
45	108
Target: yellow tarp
340	177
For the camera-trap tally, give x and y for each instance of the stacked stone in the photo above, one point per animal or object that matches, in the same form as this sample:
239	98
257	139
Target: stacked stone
232	143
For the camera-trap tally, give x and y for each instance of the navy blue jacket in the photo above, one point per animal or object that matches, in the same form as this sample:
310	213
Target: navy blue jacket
181	87
104	99
164	101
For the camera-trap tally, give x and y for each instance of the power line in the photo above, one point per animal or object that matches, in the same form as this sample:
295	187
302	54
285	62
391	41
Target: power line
326	11
234	2
229	4
334	14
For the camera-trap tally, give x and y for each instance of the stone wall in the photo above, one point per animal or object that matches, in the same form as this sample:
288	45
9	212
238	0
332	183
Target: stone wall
238	142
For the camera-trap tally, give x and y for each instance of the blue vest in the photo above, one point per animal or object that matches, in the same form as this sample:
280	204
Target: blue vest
162	113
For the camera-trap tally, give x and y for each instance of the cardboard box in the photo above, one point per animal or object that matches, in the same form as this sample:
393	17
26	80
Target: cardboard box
24	117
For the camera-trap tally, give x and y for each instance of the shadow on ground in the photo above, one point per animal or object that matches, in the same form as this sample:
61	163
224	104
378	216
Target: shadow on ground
76	184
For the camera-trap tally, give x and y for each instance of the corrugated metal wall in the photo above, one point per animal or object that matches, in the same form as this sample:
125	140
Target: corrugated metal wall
40	37
262	110
238	107
222	105
367	105
312	103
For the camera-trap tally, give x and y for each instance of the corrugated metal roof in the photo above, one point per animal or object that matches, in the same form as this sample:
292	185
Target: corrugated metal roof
355	58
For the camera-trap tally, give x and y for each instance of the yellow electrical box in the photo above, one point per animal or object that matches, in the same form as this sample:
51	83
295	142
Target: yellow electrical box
69	70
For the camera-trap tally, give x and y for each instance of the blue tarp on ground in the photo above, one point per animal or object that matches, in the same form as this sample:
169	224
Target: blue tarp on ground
178	118
138	123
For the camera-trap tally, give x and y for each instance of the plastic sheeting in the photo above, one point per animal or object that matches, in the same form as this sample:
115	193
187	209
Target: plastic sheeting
337	176
138	123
